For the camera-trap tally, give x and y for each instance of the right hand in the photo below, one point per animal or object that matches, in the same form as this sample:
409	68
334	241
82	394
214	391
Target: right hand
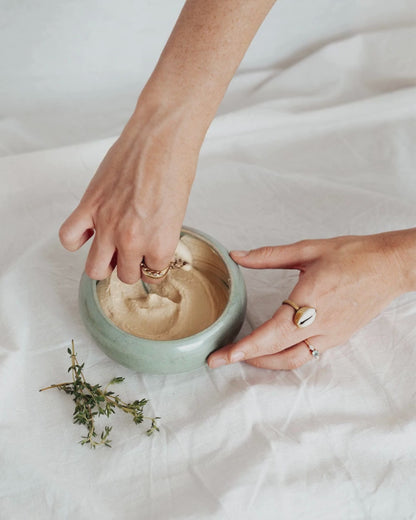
135	203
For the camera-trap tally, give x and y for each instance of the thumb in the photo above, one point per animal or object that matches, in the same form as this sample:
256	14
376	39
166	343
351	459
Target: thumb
291	256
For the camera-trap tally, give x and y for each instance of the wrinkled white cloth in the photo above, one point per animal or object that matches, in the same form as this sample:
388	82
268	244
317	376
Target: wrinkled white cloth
319	147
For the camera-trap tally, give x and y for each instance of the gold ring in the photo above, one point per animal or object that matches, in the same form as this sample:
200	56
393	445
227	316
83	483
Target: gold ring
304	316
314	351
154	273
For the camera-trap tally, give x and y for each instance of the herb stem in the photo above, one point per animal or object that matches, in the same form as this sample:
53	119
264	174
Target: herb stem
60	385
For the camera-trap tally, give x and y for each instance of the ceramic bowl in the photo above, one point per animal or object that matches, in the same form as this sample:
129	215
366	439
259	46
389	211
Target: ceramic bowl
170	356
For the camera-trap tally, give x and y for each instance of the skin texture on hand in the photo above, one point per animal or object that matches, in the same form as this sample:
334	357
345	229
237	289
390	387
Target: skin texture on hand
348	280
135	204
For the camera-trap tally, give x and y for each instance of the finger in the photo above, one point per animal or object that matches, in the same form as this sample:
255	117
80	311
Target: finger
292	256
98	264
76	230
292	357
274	335
128	265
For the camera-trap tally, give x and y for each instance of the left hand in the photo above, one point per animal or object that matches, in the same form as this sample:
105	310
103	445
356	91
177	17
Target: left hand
348	280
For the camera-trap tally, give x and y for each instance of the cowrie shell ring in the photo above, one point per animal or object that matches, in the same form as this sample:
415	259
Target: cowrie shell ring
304	316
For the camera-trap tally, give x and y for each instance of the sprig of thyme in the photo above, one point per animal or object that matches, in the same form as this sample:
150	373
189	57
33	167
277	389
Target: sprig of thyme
91	402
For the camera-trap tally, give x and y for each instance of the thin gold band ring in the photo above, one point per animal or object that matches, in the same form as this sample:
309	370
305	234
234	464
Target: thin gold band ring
156	274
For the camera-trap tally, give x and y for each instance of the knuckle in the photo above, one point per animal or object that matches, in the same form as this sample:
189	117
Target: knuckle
266	252
255	363
104	217
65	237
129	278
255	348
158	256
73	242
128	237
162	253
308	247
95	273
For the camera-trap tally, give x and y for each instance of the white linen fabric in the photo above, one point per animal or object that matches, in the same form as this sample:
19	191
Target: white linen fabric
318	143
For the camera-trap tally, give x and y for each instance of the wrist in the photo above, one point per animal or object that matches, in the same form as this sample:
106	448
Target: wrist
157	126
402	247
186	113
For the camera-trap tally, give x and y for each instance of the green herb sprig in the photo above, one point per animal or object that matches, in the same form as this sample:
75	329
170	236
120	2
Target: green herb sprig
91	402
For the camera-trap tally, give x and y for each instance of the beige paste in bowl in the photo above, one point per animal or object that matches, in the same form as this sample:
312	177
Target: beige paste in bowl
188	300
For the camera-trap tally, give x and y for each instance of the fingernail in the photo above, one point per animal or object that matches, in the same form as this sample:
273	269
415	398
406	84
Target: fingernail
237	356
239	253
217	362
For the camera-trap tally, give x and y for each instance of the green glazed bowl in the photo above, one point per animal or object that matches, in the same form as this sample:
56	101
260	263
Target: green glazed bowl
170	356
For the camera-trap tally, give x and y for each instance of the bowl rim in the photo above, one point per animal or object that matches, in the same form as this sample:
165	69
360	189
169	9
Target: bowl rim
234	274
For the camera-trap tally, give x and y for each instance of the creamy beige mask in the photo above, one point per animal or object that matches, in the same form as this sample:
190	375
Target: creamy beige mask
186	302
